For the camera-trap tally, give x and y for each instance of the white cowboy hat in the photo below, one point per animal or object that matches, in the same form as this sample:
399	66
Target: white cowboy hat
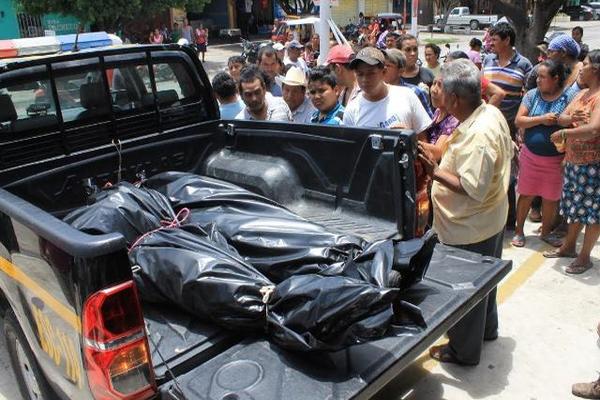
294	77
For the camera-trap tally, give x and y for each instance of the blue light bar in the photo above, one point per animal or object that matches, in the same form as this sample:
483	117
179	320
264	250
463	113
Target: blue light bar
85	41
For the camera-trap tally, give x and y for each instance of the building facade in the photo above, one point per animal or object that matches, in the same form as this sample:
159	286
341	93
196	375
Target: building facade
15	24
348	10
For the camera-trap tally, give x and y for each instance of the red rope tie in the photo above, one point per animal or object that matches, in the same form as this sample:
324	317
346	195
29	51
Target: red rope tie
176	222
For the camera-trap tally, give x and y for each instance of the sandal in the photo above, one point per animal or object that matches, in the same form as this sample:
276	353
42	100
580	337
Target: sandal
576	269
551	240
518	241
558	232
443	354
557	253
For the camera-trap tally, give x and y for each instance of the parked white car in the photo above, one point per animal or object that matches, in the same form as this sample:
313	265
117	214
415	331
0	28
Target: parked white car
461	16
595	6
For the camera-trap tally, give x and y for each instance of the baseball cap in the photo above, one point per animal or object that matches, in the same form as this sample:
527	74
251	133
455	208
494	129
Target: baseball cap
294	44
294	77
368	55
340	54
278	46
564	43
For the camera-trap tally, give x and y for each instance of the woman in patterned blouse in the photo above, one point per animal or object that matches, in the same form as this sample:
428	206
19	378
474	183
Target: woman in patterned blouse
436	135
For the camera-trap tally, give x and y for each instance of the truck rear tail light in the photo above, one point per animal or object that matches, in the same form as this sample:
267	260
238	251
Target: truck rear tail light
117	356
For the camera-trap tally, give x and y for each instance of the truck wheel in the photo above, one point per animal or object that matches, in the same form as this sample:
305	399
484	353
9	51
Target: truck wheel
474	25
32	383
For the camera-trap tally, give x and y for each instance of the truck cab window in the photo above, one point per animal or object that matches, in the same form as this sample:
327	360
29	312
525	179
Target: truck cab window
27	107
129	86
174	86
82	96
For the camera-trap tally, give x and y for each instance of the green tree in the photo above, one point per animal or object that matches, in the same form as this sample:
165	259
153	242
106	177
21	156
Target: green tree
443	8
296	7
529	30
108	14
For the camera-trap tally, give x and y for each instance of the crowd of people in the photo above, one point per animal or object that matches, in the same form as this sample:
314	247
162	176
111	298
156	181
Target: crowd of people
489	127
197	37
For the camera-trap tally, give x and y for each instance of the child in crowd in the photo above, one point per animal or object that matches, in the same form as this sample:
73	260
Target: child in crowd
234	67
324	92
474	52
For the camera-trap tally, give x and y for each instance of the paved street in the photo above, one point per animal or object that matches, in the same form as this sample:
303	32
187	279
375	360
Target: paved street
216	58
548	320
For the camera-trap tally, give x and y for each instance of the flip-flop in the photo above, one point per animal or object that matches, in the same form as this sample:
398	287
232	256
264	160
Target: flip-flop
558	232
576	269
518	241
444	355
551	240
556	253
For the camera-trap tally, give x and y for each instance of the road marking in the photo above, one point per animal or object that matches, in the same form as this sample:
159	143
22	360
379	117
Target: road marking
60	309
424	364
520	276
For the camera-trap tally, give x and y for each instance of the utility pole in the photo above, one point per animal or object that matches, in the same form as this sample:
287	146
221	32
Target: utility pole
324	15
414	21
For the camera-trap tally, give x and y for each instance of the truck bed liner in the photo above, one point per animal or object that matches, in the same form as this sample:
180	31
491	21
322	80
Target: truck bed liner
346	221
256	369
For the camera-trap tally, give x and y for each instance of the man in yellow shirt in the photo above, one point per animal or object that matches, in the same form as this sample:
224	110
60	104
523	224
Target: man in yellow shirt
469	196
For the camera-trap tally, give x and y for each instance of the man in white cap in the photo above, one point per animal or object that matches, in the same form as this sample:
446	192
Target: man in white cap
294	94
294	49
280	50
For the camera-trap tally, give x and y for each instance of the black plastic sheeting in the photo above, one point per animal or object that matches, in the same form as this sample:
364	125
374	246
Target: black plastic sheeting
273	239
316	290
124	208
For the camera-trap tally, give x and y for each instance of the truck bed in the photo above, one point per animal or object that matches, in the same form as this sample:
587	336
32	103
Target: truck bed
230	366
345	221
181	342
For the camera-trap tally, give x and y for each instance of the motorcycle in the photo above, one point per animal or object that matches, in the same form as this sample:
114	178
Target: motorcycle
249	51
351	31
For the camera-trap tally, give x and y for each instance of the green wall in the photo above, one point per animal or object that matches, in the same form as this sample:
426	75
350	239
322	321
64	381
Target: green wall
60	24
9	27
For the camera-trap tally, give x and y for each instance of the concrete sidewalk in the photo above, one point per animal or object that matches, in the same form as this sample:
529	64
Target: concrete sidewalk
547	342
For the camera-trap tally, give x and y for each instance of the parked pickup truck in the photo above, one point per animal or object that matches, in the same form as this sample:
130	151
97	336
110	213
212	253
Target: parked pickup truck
461	16
71	123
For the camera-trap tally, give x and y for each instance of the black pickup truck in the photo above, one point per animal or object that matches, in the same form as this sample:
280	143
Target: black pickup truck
71	123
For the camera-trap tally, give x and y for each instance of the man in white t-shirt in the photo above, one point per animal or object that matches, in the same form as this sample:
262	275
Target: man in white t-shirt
294	49
380	105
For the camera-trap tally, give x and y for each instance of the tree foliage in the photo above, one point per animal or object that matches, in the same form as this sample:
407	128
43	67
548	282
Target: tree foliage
529	31
443	7
296	7
108	13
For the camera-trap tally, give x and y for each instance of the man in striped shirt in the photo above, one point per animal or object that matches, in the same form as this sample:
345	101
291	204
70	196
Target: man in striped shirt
508	69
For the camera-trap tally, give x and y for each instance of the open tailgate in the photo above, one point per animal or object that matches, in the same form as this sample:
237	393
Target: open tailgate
255	369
